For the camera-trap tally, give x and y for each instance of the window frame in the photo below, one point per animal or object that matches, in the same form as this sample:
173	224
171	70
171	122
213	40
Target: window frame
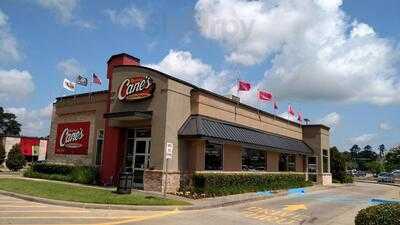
99	162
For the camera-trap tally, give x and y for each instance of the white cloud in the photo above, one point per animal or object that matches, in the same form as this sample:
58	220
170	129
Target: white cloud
286	115
385	126
70	68
330	120
9	49
311	43
35	122
64	10
362	139
182	65
15	84
131	16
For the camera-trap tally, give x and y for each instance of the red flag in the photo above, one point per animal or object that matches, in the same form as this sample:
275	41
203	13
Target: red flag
265	95
299	116
244	86
275	105
290	110
96	79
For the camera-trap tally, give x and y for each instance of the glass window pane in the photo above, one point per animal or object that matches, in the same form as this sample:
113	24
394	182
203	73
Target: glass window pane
140	146
99	147
283	164
253	159
143	133
139	161
325	164
130	146
128	163
138	176
131	133
213	157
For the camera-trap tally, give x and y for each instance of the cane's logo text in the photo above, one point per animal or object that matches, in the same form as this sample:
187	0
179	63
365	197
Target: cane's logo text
70	138
136	88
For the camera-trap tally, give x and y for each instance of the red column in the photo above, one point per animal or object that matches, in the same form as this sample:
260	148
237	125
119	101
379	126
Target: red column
111	155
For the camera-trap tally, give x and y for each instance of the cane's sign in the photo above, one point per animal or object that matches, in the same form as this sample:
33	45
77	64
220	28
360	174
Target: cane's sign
136	88
72	138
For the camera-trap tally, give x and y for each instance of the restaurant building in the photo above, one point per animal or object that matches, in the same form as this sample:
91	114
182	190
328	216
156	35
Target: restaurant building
146	116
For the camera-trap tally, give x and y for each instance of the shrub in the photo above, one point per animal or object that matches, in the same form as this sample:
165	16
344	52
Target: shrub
76	174
387	214
15	160
218	184
2	154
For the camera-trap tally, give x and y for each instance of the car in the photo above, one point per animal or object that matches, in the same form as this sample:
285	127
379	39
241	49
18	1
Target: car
360	174
385	178
396	173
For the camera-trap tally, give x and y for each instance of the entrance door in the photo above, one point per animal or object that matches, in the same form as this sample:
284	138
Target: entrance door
137	156
141	158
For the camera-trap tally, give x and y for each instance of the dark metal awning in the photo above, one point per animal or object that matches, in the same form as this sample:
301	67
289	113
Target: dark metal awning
129	115
208	128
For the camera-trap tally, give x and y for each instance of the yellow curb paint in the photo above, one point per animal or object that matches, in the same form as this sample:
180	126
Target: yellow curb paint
295	207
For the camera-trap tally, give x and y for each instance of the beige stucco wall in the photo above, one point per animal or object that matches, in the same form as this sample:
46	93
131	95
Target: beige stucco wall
79	109
195	155
212	106
317	137
170	107
273	161
232	160
299	163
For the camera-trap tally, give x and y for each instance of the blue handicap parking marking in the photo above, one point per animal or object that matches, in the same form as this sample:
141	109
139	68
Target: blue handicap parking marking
296	192
377	201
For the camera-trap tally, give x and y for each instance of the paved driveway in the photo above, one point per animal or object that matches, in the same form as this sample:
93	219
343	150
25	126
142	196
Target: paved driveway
332	206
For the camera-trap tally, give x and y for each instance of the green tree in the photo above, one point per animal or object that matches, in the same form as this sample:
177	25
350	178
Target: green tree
354	150
2	154
338	166
8	123
392	159
382	150
375	167
15	160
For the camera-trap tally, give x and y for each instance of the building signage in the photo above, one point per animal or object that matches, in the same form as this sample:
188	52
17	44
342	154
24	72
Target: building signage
72	138
169	150
136	88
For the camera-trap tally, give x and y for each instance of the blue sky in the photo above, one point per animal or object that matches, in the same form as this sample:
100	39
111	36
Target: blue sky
337	62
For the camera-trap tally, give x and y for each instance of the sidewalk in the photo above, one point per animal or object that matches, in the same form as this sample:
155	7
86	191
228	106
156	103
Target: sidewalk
197	204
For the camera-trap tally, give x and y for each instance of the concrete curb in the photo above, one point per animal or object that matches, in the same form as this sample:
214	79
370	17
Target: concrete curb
153	208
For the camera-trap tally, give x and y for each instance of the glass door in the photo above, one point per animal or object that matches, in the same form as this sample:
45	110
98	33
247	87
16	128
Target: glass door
141	160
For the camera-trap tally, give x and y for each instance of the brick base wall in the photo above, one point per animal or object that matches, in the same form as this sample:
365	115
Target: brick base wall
153	181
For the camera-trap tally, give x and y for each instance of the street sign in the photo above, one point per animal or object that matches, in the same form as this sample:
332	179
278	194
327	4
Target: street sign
169	150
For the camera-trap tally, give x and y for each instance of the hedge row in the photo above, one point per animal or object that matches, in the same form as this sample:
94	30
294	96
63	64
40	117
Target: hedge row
76	174
386	214
219	184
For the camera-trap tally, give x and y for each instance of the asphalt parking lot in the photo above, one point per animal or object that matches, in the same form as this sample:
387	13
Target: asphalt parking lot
334	206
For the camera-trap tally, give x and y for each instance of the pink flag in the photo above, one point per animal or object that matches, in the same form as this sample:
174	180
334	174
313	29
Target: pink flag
243	86
299	116
290	110
265	95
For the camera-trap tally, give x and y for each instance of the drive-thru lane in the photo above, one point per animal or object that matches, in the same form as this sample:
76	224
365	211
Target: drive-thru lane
331	206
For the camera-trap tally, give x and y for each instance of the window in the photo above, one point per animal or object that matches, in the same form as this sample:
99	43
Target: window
292	162
287	162
99	146
213	156
253	159
325	160
312	168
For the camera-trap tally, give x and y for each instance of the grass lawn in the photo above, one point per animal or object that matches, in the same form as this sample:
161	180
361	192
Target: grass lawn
65	192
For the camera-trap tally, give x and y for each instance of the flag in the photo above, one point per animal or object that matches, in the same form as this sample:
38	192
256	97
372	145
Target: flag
290	110
265	95
69	85
96	79
275	105
299	116
243	86
82	80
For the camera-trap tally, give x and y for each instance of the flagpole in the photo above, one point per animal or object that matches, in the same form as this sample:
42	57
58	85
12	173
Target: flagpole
258	104
237	92
90	91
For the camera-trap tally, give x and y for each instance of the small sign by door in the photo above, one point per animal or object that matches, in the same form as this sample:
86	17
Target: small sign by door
169	150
